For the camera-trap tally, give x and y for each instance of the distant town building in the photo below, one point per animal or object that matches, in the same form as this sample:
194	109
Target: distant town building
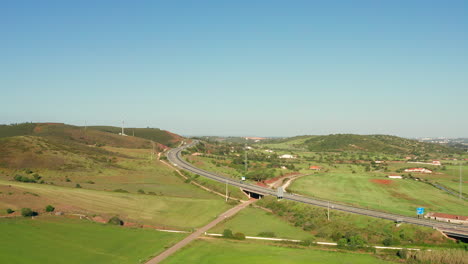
287	156
436	163
255	139
460	219
197	154
395	176
269	151
418	170
317	168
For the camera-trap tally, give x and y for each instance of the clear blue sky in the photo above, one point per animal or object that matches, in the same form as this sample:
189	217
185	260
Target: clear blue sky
258	68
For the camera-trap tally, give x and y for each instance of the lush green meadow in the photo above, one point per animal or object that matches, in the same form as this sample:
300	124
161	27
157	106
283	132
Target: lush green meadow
232	252
401	196
62	240
252	221
176	212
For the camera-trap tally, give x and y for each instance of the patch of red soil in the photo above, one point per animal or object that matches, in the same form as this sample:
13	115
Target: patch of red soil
130	224
381	181
262	184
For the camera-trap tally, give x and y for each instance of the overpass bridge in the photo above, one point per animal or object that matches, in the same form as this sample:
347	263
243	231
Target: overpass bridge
458	231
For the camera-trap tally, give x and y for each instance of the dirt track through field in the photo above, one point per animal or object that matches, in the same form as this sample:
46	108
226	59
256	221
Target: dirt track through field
200	231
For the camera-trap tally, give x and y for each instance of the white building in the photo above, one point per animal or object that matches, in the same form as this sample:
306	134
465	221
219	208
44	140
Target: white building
395	176
419	170
287	156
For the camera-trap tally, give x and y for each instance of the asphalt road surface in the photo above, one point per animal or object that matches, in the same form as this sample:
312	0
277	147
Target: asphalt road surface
175	157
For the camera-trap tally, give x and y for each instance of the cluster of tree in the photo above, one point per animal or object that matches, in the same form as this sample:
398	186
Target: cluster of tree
227	233
341	226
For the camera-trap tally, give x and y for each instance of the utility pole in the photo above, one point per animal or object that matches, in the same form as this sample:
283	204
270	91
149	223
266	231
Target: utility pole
245	159
226	191
152	152
123	124
461	181
328	211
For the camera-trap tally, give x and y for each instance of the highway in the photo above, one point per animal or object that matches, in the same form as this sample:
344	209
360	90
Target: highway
175	157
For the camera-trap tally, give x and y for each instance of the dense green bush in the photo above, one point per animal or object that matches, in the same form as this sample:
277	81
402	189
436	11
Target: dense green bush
28	212
141	191
307	242
9	211
239	236
227	233
49	208
21	178
115	221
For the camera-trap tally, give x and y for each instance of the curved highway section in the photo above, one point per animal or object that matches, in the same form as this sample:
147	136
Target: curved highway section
455	230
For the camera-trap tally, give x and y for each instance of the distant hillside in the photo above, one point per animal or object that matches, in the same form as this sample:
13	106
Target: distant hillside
161	136
373	143
61	146
360	143
99	135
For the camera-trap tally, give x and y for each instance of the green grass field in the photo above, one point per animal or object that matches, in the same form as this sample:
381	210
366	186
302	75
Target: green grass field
251	221
176	212
366	190
231	252
61	240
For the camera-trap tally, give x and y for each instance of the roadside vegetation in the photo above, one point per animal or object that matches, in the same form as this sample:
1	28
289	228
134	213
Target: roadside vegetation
234	252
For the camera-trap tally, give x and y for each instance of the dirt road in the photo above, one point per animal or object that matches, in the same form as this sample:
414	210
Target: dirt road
200	231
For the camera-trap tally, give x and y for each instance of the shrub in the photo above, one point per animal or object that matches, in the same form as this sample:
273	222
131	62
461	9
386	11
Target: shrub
28	212
115	221
77	185
23	179
227	233
67	180
307	242
9	211
266	234
342	243
239	236
141	191
90	182
402	253
49	208
121	191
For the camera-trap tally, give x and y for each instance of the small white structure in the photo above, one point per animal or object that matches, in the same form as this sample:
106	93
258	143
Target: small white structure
287	156
269	150
436	163
419	170
395	176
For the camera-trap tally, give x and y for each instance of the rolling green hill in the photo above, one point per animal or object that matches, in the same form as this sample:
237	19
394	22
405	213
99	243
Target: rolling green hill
361	143
97	135
161	136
